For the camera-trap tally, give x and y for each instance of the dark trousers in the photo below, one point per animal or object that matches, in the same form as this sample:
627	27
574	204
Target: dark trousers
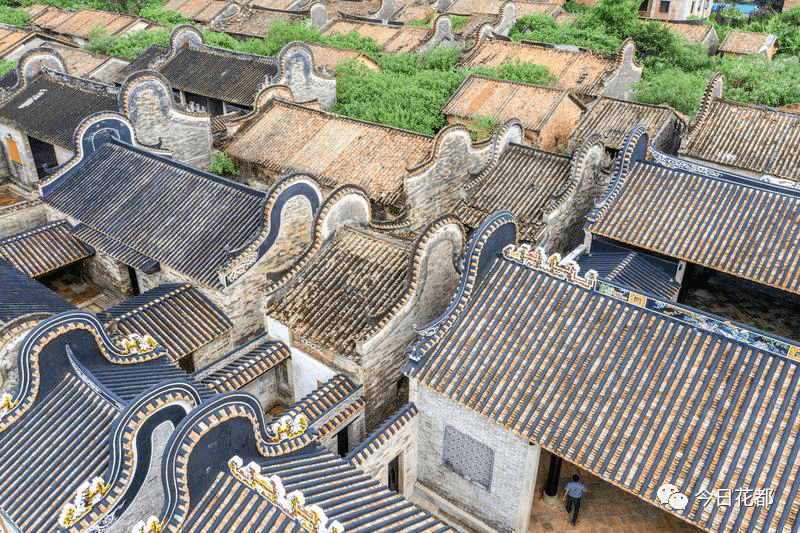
573	502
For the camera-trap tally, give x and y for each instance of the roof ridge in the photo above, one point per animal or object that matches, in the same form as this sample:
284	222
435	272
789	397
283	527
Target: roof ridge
697	318
522	83
378	235
184	166
334	116
151	303
32	231
81	84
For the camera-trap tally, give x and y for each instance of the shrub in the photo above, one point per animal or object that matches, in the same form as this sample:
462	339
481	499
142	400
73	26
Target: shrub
282	33
153	10
15	17
481	127
125	46
411	89
222	164
542	28
5	66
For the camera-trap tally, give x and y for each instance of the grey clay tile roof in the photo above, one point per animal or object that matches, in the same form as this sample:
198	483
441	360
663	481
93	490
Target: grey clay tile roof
177	215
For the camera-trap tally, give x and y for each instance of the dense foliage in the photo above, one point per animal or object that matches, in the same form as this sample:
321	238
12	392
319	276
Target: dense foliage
15	17
5	66
281	33
126	46
458	22
542	28
153	10
411	89
676	72
222	164
784	25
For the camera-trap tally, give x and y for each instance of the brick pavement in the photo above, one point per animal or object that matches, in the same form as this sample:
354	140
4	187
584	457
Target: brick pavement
604	509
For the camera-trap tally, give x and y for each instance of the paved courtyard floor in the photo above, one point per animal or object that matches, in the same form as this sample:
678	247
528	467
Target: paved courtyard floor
80	293
604	509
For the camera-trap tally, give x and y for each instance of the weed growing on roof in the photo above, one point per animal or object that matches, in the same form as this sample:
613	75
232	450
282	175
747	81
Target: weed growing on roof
5	66
481	126
15	17
126	46
675	72
282	33
154	10
222	164
458	22
411	89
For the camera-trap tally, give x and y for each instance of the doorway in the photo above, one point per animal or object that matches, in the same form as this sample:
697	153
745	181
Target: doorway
134	281
44	156
343	441
393	481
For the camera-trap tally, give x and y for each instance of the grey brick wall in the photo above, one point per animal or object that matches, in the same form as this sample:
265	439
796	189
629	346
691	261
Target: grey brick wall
512	476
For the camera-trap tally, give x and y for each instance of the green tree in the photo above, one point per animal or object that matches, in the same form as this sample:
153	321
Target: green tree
222	164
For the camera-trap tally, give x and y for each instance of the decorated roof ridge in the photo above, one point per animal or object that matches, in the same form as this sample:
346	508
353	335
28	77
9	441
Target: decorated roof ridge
367	20
634	149
281	60
569	271
316	405
110	495
358	455
576	171
689	370
497	141
319	235
130	84
288	187
105	126
311	517
483	243
414	268
189	36
132	349
627	45
272	440
713	90
19	206
81	84
30	65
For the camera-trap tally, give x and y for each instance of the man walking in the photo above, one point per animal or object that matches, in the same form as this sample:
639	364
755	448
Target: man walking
573	492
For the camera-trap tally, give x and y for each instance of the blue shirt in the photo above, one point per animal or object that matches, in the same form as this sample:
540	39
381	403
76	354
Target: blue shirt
575	489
